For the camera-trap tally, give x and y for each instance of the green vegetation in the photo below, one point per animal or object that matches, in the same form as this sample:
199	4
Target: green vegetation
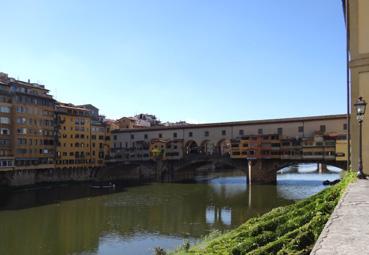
291	229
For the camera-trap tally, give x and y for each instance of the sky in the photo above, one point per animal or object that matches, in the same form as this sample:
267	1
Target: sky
193	60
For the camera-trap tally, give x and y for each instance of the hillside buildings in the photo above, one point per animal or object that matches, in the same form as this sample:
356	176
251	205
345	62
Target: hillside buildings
138	121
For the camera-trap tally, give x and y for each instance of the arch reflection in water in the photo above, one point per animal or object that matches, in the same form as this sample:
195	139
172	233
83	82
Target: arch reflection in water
218	215
210	215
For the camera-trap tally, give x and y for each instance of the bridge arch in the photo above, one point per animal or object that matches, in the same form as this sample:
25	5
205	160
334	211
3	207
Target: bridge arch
338	164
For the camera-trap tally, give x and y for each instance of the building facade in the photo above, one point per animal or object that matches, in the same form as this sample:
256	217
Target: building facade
234	137
73	146
100	143
358	20
27	125
6	125
38	133
126	122
83	137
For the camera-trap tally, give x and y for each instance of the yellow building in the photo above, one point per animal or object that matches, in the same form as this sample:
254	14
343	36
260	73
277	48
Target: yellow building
358	20
74	141
83	137
157	148
341	149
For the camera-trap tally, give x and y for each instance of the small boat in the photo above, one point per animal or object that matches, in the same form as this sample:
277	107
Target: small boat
103	185
330	183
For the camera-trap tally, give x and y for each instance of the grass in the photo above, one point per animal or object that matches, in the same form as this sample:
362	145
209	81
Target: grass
291	229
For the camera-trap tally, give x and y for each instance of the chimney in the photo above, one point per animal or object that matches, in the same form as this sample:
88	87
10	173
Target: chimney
29	81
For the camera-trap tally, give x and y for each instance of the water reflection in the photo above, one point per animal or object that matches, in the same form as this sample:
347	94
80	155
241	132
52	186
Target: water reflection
135	220
218	215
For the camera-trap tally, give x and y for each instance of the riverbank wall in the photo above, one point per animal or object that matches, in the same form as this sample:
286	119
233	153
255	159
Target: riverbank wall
35	177
161	171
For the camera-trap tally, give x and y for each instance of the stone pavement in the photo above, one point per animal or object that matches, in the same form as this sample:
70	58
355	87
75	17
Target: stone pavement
347	231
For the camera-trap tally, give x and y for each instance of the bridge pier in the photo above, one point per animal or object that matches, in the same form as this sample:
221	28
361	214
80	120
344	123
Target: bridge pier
262	171
322	168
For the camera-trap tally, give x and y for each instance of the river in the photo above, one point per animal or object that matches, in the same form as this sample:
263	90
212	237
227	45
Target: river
134	220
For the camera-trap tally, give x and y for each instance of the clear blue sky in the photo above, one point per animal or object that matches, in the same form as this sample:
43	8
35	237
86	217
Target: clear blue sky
193	60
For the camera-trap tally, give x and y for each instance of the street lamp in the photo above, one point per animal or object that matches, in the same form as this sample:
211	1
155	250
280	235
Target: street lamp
360	106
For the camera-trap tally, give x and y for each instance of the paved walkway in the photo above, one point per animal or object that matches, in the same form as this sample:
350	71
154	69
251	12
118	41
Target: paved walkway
347	231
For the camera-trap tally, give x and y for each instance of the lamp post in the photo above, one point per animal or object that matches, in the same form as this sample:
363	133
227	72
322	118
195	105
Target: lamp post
360	106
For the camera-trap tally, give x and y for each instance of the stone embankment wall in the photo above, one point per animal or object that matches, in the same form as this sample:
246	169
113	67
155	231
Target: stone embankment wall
19	178
163	171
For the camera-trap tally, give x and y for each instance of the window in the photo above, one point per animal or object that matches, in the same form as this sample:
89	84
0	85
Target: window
5	109
345	126
146	136
301	129
4	131
21	151
22	131
190	134
280	131
115	137
132	136
322	128
160	135
5	141
241	132
206	133
174	135
260	131
21	109
4	120
224	132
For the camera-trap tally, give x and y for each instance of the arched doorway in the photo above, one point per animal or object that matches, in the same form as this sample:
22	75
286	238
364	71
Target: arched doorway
224	147
191	147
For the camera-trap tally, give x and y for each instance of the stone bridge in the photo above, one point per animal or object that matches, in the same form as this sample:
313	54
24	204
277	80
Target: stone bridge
260	171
